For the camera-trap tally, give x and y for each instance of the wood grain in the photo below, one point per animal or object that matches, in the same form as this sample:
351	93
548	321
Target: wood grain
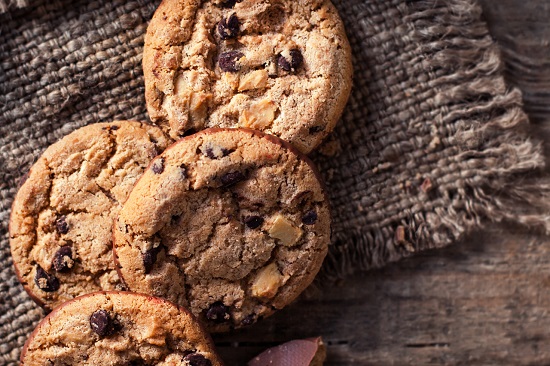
481	302
523	31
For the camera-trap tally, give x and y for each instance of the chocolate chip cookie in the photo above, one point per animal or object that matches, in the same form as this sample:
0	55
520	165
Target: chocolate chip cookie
279	66
61	219
232	224
119	328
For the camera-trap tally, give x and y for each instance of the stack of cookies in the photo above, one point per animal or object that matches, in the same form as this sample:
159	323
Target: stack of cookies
213	212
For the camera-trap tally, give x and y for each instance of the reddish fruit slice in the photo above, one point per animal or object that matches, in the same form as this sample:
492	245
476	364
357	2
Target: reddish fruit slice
302	352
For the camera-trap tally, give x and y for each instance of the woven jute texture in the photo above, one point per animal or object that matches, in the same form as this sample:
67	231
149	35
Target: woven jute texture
431	145
6	5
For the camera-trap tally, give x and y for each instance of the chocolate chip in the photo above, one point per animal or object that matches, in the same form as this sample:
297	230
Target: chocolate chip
196	359
150	258
45	281
228	61
229	27
249	319
210	153
296	60
101	323
218	313
253	222
61	225
231	178
158	166
63	259
309	218
283	63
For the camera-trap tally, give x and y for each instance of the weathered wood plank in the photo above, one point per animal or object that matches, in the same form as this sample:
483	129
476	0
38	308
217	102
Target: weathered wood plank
523	31
485	301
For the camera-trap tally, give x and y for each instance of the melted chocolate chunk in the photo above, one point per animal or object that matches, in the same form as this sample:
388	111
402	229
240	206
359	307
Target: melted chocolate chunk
218	313
253	222
229	27
61	225
63	259
228	179
45	281
228	61
150	258
101	323
309	218
296	60
158	166
196	359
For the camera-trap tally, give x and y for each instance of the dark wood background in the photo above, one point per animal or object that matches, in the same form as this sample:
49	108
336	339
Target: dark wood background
483	301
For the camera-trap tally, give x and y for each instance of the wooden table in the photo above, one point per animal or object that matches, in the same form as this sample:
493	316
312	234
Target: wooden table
484	301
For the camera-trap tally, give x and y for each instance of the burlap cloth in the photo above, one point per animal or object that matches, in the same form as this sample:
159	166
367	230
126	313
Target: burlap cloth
431	145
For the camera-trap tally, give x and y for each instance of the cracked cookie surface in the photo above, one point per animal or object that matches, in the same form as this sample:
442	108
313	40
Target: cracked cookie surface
232	224
119	328
61	220
279	66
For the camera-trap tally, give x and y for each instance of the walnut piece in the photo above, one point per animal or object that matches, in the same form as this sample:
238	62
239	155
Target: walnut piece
283	230
254	80
259	116
198	105
267	282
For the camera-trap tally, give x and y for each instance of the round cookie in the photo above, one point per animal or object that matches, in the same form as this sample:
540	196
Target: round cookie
119	328
62	216
279	66
232	224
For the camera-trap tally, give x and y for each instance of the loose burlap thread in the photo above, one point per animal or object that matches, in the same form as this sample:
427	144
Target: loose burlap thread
431	145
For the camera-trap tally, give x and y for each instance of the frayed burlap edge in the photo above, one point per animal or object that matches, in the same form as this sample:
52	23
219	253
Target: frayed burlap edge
500	190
